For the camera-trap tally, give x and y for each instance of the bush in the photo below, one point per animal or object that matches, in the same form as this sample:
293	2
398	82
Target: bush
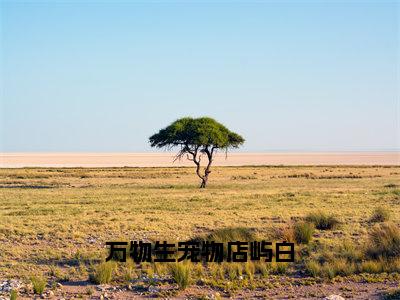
303	232
384	242
380	214
322	221
38	284
181	274
103	273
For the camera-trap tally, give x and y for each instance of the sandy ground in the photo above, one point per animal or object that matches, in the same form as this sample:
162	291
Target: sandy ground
17	160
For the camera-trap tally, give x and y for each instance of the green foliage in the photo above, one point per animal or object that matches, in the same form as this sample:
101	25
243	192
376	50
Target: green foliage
181	274
38	284
303	232
200	132
322	221
380	214
384	241
103	273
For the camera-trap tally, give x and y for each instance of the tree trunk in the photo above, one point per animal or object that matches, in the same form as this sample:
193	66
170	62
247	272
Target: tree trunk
207	171
204	182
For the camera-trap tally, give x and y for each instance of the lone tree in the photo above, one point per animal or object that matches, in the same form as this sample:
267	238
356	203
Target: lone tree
196	137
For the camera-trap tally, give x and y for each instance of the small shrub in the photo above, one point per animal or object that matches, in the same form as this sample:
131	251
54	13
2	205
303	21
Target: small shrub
38	284
303	232
181	274
380	214
103	273
384	242
322	221
13	295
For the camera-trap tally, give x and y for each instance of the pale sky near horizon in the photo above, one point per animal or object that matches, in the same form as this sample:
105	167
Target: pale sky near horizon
288	76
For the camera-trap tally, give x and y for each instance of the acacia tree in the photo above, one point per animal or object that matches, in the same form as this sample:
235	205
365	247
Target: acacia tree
195	138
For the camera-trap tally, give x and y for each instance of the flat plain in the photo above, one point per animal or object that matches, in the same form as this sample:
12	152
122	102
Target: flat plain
54	223
164	159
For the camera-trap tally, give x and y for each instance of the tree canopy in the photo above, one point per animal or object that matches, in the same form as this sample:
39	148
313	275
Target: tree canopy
197	136
191	132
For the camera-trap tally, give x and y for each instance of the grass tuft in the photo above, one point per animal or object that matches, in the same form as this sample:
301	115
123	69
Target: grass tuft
371	266
103	273
38	284
303	232
323	221
384	242
181	274
380	214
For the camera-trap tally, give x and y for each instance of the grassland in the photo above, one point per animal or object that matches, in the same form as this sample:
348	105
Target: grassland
54	222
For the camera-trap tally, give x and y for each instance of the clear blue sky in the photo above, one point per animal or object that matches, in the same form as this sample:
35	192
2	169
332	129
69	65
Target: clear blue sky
87	76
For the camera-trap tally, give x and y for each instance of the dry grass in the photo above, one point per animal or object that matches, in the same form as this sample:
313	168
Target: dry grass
55	221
